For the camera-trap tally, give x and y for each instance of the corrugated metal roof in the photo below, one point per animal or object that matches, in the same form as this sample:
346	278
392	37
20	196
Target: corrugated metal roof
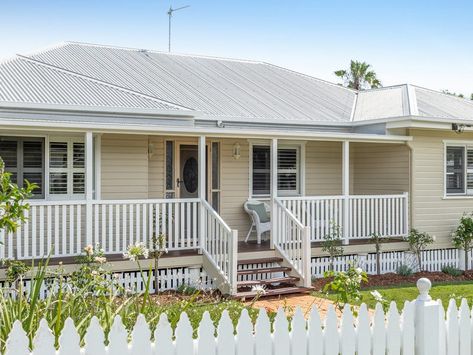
26	81
218	87
436	104
382	103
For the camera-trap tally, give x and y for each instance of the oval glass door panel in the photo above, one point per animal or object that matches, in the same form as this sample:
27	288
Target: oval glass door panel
190	175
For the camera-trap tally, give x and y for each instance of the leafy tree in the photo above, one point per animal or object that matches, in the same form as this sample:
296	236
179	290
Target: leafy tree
418	241
12	201
462	238
332	244
377	239
359	76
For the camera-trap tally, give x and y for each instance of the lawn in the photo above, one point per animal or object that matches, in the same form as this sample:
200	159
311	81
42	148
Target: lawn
443	291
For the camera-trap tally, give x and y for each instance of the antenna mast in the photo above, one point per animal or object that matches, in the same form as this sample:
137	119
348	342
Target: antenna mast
170	12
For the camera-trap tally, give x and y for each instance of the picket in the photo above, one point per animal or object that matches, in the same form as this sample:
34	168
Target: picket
387	333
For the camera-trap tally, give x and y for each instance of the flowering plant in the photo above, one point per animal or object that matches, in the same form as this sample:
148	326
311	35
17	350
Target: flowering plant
135	251
346	285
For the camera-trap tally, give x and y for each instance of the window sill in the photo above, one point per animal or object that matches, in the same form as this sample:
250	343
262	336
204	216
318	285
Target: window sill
459	197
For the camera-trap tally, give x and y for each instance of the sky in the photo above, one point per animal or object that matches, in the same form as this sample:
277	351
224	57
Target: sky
427	43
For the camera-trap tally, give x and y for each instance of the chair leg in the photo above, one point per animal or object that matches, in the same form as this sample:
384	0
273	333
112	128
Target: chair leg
249	233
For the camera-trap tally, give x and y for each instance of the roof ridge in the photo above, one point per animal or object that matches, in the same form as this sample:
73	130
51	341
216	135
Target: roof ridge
70	72
134	49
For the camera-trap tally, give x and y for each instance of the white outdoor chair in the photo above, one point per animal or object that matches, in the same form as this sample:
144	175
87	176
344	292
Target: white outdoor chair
259	215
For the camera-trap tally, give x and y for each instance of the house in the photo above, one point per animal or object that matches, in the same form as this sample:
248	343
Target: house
125	144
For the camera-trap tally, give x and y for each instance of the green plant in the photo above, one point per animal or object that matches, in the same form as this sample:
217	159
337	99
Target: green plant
157	251
12	197
377	239
15	269
404	270
345	285
462	238
418	241
332	243
452	270
378	297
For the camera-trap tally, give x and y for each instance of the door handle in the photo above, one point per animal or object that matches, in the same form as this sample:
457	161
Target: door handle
178	182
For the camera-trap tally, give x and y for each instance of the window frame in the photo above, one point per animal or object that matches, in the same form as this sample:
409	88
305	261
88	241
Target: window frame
466	145
300	173
19	139
70	169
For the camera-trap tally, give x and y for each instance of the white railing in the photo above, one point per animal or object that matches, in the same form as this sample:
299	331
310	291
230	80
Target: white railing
59	228
423	327
220	245
292	240
51	228
358	216
117	224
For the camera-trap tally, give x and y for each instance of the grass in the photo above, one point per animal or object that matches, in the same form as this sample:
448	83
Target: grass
400	294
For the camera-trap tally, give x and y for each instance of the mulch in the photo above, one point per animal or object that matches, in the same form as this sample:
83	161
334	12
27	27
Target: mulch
393	279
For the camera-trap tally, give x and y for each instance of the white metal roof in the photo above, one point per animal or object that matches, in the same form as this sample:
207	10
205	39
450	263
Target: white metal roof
97	76
26	81
218	87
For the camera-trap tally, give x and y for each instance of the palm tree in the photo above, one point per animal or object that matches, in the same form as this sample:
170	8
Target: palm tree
359	76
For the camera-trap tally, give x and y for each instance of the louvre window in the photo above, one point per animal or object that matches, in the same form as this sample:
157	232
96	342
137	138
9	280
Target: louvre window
288	170
66	168
24	159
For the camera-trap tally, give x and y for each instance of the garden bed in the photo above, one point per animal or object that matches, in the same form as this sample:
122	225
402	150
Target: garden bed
393	279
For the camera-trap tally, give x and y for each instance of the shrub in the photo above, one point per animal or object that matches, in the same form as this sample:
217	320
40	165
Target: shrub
12	197
404	270
452	270
332	243
418	241
346	285
377	239
462	238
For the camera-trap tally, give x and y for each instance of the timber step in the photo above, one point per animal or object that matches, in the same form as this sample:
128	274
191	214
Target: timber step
264	270
260	261
274	292
275	280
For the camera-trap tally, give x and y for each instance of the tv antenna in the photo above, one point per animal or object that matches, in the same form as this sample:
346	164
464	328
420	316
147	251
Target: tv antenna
170	12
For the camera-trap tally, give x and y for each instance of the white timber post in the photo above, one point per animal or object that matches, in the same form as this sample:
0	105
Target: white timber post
306	259
427	321
201	190
98	166
89	186
346	191
274	188
233	262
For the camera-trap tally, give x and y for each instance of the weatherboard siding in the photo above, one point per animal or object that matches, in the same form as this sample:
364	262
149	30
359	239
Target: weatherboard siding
380	168
124	166
430	211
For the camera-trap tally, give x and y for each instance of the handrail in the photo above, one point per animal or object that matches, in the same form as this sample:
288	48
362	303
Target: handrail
336	197
220	249
216	215
290	214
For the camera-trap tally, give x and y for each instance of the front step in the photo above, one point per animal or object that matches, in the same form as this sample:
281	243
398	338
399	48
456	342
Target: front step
275	280
274	292
266	270
260	261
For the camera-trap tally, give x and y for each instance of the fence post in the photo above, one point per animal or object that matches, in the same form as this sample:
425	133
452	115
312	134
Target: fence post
306	259
461	259
427	321
233	262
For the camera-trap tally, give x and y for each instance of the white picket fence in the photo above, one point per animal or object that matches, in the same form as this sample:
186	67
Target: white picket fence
432	260
421	329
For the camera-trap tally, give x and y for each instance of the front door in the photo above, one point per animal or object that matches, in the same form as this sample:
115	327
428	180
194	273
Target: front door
188	179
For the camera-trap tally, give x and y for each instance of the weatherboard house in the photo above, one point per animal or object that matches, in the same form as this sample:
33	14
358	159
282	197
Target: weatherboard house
125	144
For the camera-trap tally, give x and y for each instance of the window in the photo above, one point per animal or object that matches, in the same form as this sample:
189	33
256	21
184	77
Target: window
215	151
459	170
24	159
66	168
170	193
288	170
